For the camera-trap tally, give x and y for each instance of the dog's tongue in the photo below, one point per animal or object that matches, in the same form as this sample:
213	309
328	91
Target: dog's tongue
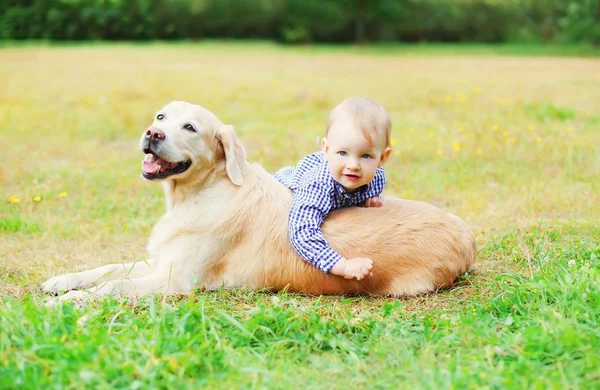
154	165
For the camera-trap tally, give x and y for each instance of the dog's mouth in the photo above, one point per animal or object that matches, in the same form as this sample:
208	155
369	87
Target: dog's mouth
155	167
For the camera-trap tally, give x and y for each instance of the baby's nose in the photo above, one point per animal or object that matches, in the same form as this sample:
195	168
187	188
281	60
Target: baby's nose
354	165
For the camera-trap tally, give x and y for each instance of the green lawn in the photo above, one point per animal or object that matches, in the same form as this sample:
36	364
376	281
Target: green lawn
509	143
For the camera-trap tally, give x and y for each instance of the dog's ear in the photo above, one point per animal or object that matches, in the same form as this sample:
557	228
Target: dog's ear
235	154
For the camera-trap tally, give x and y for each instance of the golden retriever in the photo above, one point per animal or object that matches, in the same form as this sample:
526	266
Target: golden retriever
226	226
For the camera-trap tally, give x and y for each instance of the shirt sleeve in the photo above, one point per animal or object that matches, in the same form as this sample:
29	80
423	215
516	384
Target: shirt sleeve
285	175
310	206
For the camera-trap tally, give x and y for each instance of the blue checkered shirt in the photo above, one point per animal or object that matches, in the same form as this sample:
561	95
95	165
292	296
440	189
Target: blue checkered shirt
316	193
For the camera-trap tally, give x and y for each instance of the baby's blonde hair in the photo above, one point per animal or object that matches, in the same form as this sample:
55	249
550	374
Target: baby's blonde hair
368	115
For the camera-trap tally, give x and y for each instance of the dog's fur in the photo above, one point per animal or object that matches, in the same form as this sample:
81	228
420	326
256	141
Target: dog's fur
226	225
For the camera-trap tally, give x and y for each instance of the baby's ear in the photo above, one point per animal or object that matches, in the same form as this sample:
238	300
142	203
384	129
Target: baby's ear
324	147
384	156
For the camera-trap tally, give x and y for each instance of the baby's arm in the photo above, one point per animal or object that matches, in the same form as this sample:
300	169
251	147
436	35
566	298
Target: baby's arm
308	210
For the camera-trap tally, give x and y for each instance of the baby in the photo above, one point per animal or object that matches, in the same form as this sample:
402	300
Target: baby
347	172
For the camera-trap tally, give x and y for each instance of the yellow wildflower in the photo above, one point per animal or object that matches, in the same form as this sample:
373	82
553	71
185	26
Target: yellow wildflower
495	127
393	142
411	130
14	199
456	146
62	194
173	363
538	139
569	129
476	90
37	198
93	165
448	98
440	152
479	151
530	128
505	134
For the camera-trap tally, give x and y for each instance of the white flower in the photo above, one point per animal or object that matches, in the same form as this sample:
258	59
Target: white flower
571	263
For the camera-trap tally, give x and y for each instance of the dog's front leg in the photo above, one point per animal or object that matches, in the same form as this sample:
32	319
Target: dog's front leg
126	287
96	276
138	287
174	271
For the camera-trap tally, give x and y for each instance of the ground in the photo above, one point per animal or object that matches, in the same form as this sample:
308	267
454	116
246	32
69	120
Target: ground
508	143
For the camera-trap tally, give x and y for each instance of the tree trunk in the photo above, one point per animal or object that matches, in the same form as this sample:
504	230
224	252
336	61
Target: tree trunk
361	10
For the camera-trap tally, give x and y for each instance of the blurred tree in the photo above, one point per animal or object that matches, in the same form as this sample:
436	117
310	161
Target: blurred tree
235	18
373	12
361	15
308	20
537	19
582	21
304	21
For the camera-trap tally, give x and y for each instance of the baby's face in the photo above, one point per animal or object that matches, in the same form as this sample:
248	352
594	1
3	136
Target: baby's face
352	160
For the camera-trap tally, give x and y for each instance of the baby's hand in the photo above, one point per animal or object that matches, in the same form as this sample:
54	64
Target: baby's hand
358	267
372	202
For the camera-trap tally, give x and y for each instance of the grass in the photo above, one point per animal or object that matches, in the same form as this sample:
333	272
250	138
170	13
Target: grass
508	143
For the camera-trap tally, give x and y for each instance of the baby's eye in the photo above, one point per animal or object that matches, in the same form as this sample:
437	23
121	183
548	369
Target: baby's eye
342	153
366	156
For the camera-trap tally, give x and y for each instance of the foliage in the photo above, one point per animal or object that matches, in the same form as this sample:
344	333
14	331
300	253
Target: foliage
302	21
582	21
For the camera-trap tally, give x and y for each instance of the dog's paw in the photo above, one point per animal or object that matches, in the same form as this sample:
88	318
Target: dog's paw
78	297
64	282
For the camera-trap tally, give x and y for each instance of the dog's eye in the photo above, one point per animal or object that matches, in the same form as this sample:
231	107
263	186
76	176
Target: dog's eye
189	127
160	117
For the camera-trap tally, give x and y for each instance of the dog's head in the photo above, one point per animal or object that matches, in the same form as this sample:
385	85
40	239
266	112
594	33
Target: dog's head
185	138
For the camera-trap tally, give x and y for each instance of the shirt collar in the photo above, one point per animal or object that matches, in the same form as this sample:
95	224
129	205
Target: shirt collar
341	191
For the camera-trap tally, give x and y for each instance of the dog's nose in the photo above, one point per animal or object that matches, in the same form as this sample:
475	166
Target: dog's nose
154	134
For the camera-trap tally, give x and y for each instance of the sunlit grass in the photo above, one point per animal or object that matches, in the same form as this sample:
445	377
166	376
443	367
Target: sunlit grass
510	144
